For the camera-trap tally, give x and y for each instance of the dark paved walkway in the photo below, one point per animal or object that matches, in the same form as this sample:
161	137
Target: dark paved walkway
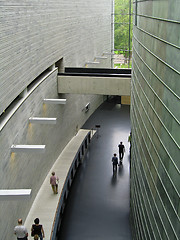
98	203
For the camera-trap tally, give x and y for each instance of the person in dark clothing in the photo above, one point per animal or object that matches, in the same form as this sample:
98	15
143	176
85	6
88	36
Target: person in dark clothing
115	163
121	151
129	140
37	229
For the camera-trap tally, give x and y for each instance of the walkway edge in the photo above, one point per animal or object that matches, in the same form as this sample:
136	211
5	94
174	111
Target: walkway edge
46	203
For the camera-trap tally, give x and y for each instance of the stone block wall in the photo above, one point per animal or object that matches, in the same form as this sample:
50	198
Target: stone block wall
34	36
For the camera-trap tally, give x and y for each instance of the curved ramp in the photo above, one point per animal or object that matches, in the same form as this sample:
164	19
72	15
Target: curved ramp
46	205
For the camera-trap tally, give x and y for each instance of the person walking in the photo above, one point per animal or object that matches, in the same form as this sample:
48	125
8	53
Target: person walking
54	183
129	140
121	151
20	231
115	163
37	229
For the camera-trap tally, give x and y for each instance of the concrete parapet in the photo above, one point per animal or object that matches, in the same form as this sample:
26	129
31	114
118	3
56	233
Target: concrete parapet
94	85
47	206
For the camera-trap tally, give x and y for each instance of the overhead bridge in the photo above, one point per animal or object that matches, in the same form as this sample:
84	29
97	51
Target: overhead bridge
95	81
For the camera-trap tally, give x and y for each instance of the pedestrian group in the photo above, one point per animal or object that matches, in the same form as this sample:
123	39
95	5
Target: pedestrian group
115	159
37	231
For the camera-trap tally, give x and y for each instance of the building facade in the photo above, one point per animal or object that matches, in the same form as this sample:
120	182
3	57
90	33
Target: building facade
155	116
38	39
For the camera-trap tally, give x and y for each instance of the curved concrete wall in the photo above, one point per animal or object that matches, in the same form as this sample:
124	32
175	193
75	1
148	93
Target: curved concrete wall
34	36
155	168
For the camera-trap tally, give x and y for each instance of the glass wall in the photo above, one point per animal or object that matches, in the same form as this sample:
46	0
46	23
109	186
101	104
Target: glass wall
122	33
155	118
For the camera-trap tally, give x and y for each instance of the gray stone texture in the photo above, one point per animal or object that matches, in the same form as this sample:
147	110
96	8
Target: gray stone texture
34	36
94	85
155	168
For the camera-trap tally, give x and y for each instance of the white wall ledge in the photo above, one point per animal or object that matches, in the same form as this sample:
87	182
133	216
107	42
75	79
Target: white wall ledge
28	148
92	62
99	57
41	120
15	194
55	101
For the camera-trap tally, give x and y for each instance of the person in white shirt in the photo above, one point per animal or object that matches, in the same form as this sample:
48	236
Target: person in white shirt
20	231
